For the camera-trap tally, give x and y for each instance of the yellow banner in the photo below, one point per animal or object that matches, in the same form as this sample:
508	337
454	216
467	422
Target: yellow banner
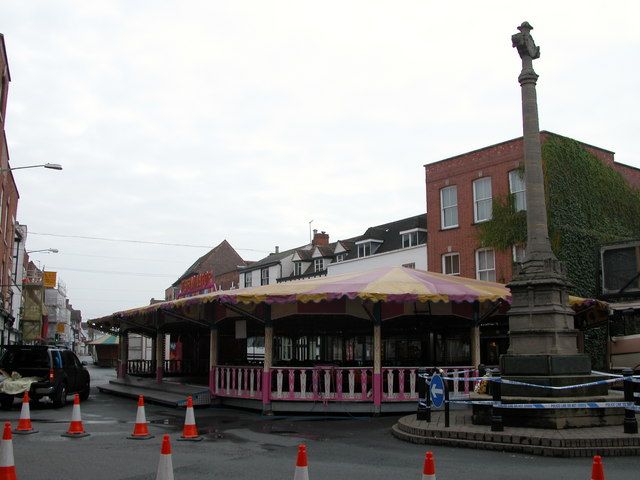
49	279
60	328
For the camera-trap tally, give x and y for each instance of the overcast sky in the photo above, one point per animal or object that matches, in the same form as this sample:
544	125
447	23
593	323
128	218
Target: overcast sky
193	122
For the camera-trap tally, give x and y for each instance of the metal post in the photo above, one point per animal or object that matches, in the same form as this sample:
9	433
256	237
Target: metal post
630	422
496	412
424	399
446	404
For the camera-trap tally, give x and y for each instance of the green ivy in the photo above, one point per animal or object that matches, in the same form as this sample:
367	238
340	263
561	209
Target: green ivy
588	204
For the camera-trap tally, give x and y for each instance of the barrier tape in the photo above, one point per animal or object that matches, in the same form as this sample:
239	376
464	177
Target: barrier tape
565	405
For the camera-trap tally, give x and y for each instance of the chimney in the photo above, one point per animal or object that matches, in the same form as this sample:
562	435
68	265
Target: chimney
277	249
320	239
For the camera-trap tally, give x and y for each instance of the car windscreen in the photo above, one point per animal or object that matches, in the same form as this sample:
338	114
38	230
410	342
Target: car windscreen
13	359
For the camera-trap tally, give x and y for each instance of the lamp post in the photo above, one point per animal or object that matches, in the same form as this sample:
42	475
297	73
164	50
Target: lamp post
50	250
51	166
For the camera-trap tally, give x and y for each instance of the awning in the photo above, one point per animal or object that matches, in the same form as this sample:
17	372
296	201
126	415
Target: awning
105	340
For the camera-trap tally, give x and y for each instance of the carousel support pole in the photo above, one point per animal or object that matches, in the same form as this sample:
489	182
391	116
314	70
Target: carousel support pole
213	359
377	357
123	356
475	335
268	361
159	355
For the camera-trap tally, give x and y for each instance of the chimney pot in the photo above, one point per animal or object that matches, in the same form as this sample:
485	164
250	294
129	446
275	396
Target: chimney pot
277	249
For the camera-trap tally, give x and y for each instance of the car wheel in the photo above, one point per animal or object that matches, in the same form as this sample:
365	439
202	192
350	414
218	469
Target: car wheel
60	397
6	401
84	393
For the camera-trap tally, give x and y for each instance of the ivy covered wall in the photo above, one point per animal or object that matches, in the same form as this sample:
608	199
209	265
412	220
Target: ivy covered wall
588	204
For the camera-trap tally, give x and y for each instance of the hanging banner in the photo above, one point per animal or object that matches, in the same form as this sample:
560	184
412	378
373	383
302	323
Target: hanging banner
49	279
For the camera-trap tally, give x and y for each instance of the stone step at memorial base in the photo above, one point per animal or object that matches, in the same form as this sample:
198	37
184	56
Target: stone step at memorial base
173	394
581	442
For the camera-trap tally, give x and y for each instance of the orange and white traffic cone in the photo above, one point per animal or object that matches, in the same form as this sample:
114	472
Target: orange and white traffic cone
76	430
141	429
7	466
190	431
24	423
597	470
302	467
165	465
429	470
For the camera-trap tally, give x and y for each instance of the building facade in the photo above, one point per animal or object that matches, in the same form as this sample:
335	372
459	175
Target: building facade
460	194
8	208
398	243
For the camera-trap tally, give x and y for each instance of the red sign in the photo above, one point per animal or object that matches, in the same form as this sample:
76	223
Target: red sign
197	284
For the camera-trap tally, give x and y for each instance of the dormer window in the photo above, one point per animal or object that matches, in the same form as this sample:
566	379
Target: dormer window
413	237
340	258
409	239
364	250
297	268
318	264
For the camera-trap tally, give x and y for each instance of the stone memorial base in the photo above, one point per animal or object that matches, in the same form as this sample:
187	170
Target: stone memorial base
555	419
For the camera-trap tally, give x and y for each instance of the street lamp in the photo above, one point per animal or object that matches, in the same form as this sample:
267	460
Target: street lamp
51	250
52	166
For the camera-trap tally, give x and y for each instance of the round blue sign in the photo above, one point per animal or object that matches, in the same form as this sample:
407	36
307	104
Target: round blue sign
436	390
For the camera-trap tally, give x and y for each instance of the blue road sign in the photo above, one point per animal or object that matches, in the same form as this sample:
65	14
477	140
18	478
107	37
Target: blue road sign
436	390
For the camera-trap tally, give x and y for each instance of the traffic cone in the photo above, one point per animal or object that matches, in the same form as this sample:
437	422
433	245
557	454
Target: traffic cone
190	432
141	429
24	423
429	470
7	467
302	467
76	430
165	465
597	470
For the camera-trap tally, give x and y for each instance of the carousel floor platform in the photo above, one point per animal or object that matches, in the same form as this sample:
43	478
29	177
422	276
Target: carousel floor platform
575	442
172	392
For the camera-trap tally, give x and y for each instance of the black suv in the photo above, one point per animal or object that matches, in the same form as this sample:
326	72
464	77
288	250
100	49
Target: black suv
60	370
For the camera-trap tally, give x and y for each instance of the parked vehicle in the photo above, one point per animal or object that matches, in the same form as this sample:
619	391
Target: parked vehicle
59	369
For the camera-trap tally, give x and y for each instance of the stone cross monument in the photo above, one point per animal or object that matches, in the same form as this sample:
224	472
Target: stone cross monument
543	340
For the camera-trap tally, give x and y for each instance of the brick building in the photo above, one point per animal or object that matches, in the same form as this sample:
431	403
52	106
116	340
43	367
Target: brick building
8	207
460	190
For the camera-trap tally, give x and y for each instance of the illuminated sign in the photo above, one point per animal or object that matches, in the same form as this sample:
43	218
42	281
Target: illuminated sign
197	284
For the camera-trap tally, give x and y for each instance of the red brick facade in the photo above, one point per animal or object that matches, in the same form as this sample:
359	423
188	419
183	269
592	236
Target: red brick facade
8	189
495	162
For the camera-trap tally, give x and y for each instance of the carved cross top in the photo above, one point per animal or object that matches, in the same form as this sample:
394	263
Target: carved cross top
523	41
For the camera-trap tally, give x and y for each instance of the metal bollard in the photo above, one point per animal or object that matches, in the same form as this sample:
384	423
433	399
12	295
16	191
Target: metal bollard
424	399
630	422
496	412
446	405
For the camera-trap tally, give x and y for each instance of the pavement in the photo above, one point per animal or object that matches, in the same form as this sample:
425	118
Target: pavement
573	442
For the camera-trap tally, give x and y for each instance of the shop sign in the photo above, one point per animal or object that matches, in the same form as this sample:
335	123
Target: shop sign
201	283
49	279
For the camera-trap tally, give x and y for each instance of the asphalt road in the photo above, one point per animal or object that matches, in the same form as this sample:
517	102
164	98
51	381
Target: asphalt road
245	445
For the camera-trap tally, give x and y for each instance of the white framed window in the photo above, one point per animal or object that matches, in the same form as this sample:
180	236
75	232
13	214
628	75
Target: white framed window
340	257
409	239
518	253
364	250
318	264
409	265
518	190
486	264
451	264
247	279
264	276
482	202
449	207
297	268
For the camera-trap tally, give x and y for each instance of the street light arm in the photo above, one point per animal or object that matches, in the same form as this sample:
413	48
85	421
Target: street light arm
52	166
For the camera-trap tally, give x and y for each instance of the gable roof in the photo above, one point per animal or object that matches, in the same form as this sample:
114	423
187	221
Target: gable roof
221	259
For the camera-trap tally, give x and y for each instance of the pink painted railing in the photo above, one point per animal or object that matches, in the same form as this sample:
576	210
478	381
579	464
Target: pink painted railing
238	382
322	383
400	384
329	383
